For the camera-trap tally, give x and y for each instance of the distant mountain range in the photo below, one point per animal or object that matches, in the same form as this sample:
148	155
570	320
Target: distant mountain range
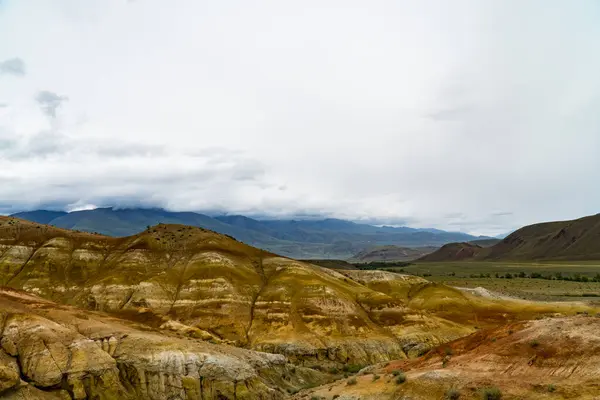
324	238
550	241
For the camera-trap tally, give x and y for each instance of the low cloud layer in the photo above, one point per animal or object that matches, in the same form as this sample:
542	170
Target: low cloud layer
476	116
12	66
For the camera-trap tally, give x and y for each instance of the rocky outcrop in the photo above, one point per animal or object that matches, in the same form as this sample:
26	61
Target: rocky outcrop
55	351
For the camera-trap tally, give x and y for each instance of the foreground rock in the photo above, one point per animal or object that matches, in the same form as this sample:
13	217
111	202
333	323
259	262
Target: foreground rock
53	351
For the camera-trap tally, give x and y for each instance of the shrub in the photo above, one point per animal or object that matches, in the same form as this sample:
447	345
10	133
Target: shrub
352	368
400	378
452	394
375	377
351	381
334	370
551	388
534	344
335	396
491	393
448	351
397	372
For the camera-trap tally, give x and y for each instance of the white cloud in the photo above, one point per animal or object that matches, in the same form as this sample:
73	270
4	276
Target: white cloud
471	115
12	66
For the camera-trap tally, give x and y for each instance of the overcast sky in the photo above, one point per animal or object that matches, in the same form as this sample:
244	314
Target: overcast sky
477	116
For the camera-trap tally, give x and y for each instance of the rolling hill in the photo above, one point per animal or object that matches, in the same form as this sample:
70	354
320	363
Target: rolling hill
573	240
325	238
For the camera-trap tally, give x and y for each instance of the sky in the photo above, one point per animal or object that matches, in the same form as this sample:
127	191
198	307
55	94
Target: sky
477	116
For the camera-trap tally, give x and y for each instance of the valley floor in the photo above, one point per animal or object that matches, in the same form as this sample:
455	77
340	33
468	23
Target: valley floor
491	276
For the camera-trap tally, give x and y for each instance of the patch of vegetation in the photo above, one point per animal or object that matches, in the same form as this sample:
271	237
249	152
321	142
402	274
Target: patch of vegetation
531	281
352	368
381	265
376	377
534	344
491	393
452	394
351	381
551	388
400	378
397	372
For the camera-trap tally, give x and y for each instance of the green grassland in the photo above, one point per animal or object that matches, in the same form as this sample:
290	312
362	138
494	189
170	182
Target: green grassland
491	275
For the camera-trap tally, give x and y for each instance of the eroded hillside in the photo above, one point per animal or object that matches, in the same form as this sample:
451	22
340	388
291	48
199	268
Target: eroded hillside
550	358
50	351
201	288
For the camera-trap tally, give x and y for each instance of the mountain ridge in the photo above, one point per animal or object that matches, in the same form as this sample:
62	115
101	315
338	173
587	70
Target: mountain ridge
321	238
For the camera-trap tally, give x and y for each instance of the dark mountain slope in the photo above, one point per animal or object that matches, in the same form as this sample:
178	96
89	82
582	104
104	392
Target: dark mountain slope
485	242
126	222
564	240
454	252
40	216
550	241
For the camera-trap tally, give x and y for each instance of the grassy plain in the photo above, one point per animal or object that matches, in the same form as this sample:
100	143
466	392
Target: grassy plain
475	274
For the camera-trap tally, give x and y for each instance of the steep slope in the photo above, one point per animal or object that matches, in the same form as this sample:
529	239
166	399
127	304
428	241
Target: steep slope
566	240
391	253
485	242
327	238
552	358
551	241
454	252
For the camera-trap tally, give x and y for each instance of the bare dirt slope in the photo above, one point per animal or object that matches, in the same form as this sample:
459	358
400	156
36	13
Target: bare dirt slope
551	358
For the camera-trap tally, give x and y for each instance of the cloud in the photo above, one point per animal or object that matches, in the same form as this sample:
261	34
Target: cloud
477	116
49	102
451	114
502	213
13	66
